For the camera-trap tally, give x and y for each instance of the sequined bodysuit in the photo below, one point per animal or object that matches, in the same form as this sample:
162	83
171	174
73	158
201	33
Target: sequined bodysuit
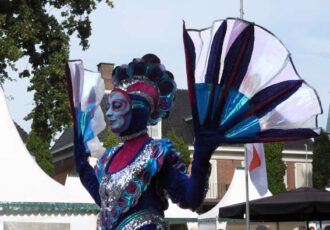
135	197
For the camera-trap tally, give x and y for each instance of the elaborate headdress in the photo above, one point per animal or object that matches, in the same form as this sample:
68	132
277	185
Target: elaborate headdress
147	78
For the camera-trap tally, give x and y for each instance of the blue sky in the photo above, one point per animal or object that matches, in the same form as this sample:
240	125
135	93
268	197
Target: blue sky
134	28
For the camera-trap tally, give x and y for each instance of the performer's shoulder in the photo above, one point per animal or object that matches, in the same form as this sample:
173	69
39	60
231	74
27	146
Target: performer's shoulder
108	153
164	145
103	160
172	156
162	141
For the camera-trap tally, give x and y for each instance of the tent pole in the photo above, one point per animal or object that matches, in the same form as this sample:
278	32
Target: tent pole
247	207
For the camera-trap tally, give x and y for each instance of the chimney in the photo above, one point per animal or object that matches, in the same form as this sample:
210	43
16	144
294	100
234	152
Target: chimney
106	72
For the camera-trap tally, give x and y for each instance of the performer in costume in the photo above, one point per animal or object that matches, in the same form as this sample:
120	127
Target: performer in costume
243	88
132	181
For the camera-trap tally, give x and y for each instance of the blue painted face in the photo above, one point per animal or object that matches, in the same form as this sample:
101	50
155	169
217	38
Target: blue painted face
119	113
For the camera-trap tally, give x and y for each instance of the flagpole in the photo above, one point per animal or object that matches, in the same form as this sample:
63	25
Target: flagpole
247	206
241	9
247	213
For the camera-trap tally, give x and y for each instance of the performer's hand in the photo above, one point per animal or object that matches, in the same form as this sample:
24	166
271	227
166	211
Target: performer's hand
81	154
203	150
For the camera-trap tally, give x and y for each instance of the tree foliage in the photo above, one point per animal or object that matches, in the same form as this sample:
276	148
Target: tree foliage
321	161
275	167
180	146
40	150
110	139
40	31
29	29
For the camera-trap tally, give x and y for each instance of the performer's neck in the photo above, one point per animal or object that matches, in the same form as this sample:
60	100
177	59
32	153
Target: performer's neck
127	137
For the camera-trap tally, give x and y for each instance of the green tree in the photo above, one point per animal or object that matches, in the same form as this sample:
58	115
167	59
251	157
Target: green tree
40	150
180	146
110	139
275	167
30	29
321	161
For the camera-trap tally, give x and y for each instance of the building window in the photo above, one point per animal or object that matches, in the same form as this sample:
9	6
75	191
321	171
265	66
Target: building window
303	175
285	177
155	131
212	193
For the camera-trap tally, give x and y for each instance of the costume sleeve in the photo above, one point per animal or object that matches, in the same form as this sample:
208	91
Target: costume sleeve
85	91
88	179
85	170
187	191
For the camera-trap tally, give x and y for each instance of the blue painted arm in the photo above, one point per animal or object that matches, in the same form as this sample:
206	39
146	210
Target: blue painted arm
88	179
85	170
188	191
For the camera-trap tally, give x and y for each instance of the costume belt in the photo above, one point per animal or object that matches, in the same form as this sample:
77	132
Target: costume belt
138	220
142	218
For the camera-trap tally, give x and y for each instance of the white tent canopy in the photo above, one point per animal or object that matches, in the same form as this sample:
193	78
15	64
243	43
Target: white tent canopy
235	194
73	184
176	214
21	178
29	198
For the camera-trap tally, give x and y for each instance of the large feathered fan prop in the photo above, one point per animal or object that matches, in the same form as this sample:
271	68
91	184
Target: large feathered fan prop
243	86
86	90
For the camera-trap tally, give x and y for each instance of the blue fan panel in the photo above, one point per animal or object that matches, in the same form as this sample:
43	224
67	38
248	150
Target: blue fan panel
233	115
247	128
236	104
203	93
